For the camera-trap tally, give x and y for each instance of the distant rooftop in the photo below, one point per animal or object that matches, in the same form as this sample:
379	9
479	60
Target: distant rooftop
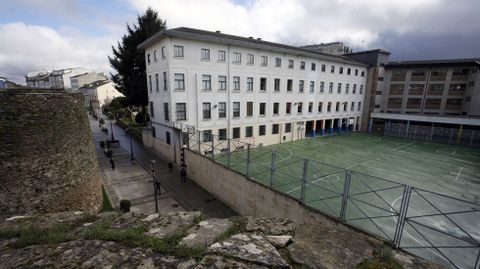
428	63
249	42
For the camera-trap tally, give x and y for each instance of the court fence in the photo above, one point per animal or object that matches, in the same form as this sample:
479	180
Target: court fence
437	227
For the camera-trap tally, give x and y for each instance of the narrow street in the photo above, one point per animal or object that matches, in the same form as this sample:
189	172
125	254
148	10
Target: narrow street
188	194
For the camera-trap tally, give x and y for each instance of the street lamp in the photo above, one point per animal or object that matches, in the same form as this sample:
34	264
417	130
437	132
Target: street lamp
129	130
182	156
111	126
152	162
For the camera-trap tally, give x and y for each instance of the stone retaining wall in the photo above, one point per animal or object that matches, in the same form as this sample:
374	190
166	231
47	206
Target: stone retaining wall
47	156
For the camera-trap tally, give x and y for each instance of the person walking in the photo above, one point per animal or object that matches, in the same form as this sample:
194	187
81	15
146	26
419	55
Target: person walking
170	167
183	174
158	189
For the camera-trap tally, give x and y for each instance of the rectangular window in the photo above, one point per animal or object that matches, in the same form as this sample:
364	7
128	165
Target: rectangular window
300	85
349	71
236	133
178	51
288	127
320	106
361	89
324	67
167	137
337	106
363	73
345	106
322	86
263	84
310	107
262	109
250	59
347	87
166	113
262	130
276	86
332	69
205	54
339	88
330	87
289	85
340	70
299	107
207	135
249	131
221	56
352	107
164	53
237	57
222	110
155	55
206	82
165	81
278	62
359	106
206	111
312	86
236	109
264	61
275	128
314	66
151	110
179	82
354	90
236	83
329	107
288	108
222	134
249	109
356	72
157	84
181	111
222	83
148	58
302	65
150	82
290	64
275	108
249	84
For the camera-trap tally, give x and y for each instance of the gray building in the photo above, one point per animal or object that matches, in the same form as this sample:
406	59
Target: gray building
86	78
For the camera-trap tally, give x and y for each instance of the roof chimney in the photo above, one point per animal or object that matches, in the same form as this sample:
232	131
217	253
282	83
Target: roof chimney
218	32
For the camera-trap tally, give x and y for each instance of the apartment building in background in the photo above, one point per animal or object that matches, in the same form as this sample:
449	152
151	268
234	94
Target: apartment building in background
53	79
98	94
86	78
249	89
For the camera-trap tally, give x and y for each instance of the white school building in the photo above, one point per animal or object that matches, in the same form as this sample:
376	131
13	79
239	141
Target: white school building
248	89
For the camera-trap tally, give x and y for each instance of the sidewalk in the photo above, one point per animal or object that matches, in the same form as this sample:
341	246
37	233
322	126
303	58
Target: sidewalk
133	181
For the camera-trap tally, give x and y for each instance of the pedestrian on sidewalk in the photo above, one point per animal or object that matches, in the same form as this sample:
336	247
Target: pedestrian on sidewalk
183	174
170	167
158	189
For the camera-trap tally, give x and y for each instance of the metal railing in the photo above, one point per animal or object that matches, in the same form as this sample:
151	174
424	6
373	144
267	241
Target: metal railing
437	227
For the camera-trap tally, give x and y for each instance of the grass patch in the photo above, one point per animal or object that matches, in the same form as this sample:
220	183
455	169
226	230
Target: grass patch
34	236
106	205
382	259
238	225
136	128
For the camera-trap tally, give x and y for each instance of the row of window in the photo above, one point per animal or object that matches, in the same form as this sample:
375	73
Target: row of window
433	75
178	52
430	103
179	84
249	131
181	109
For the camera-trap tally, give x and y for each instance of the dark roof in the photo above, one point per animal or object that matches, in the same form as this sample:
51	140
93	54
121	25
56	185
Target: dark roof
95	84
434	63
249	42
369	51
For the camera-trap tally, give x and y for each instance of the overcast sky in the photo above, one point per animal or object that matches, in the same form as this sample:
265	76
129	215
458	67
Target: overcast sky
46	34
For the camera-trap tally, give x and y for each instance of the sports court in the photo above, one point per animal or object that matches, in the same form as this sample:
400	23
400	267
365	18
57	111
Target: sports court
443	206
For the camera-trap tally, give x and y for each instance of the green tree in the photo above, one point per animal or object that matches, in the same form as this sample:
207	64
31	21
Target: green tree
129	62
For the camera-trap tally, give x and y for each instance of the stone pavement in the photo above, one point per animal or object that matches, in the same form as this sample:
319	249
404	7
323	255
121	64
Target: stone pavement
179	195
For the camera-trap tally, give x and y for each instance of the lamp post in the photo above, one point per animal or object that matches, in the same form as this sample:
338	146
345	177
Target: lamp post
152	162
182	156
111	125
129	130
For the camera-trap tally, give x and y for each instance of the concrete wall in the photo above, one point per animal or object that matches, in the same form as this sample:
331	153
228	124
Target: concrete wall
47	157
167	151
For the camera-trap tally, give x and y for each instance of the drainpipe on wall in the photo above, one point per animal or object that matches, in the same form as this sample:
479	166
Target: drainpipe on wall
228	91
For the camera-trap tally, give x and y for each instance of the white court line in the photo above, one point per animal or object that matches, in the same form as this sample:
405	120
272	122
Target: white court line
458	174
315	181
402	146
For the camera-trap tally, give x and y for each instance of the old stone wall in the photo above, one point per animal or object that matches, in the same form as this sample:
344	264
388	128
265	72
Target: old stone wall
47	156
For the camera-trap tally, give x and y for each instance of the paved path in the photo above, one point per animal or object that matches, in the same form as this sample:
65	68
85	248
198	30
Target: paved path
176	194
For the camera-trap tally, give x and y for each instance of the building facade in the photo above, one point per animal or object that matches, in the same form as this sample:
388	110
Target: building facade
99	93
248	89
58	79
80	80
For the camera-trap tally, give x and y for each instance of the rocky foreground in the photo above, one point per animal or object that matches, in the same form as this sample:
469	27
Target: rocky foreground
181	240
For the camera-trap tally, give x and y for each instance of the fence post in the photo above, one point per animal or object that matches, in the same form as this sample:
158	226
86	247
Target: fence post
304	181
213	146
346	189
248	160
272	168
199	142
228	152
397	238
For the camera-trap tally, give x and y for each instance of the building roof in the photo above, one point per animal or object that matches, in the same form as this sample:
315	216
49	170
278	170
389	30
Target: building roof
95	84
250	42
370	51
434	63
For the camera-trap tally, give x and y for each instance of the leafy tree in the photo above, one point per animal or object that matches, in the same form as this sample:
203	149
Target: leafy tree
129	61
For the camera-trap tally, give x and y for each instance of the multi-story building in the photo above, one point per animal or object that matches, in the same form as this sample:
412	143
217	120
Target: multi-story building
59	79
99	93
80	80
335	48
249	89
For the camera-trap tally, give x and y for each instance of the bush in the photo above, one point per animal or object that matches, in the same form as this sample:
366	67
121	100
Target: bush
140	118
125	205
